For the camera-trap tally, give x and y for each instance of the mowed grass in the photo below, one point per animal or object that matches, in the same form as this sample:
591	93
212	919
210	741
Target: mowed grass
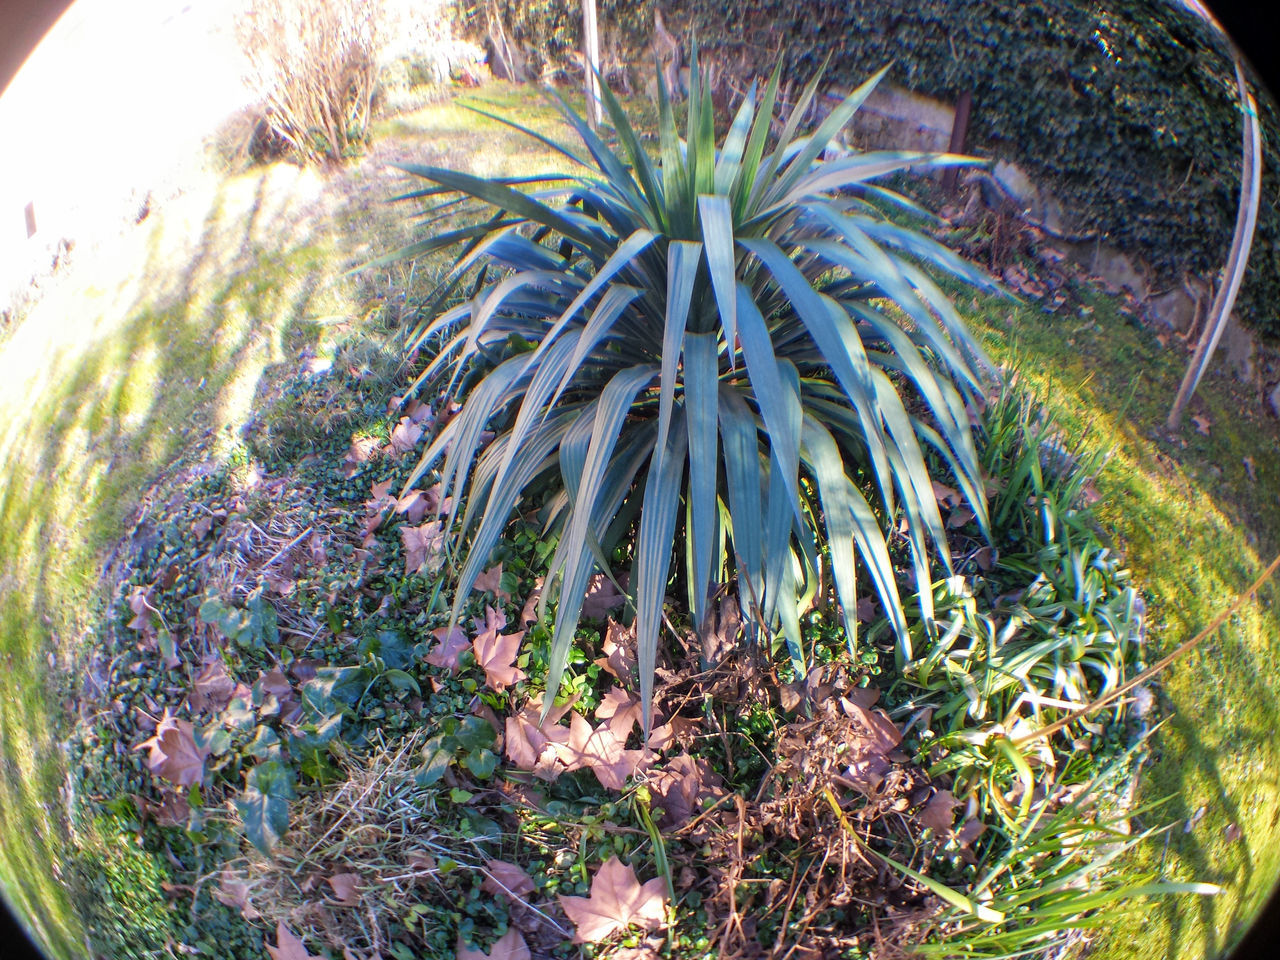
1196	528
136	360
160	354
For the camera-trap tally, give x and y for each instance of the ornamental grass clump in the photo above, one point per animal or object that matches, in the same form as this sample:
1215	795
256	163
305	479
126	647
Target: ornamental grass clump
734	342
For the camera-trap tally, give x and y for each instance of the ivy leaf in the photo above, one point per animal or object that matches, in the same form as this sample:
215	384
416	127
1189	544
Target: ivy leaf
264	808
618	901
438	757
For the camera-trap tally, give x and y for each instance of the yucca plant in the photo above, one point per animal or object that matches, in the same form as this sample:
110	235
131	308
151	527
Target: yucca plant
737	341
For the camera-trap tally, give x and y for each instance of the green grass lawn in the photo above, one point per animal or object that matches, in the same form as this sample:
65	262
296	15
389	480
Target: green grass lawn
1196	529
134	361
160	354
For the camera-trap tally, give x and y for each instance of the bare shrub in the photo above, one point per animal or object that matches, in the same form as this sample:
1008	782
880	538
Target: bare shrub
314	63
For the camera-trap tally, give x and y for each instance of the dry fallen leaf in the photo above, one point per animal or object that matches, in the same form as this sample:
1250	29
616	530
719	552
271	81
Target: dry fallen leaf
510	946
235	893
679	787
946	495
212	688
491	581
601	752
531	746
451	646
873	737
423	547
959	517
174	754
622	710
1202	425
346	888
938	813
506	879
361	450
617	901
1250	468
602	596
144	614
529	613
496	653
288	947
619	649
405	436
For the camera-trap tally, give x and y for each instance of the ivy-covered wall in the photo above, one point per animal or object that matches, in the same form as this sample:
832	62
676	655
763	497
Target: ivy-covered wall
1126	108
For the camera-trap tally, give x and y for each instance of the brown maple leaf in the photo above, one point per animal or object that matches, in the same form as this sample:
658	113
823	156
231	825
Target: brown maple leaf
617	901
873	737
494	620
423	547
1202	425
362	449
622	710
451	646
496	654
679	787
174	754
231	892
144	614
491	581
404	437
619	649
418	411
506	879
529	613
346	888
946	495
414	505
211	688
722	630
531	745
288	947
510	946
602	596
601	752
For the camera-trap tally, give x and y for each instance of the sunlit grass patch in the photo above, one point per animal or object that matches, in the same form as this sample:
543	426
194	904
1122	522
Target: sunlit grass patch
1196	529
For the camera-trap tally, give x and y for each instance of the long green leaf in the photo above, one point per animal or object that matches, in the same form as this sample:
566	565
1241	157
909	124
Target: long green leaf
653	555
701	382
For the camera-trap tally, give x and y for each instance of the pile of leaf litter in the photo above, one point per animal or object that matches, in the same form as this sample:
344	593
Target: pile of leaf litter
281	718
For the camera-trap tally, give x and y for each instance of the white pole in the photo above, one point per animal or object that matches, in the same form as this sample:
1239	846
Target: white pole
591	54
1237	258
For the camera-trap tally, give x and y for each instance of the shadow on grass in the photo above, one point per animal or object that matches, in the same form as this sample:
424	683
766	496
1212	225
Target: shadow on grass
164	377
117	384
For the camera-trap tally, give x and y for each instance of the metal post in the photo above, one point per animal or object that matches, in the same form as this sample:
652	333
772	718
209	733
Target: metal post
1233	273
959	131
591	56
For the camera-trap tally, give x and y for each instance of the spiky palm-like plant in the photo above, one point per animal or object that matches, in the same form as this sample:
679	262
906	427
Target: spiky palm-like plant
736	335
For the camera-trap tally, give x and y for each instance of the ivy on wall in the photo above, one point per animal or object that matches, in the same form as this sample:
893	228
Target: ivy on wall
1127	109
